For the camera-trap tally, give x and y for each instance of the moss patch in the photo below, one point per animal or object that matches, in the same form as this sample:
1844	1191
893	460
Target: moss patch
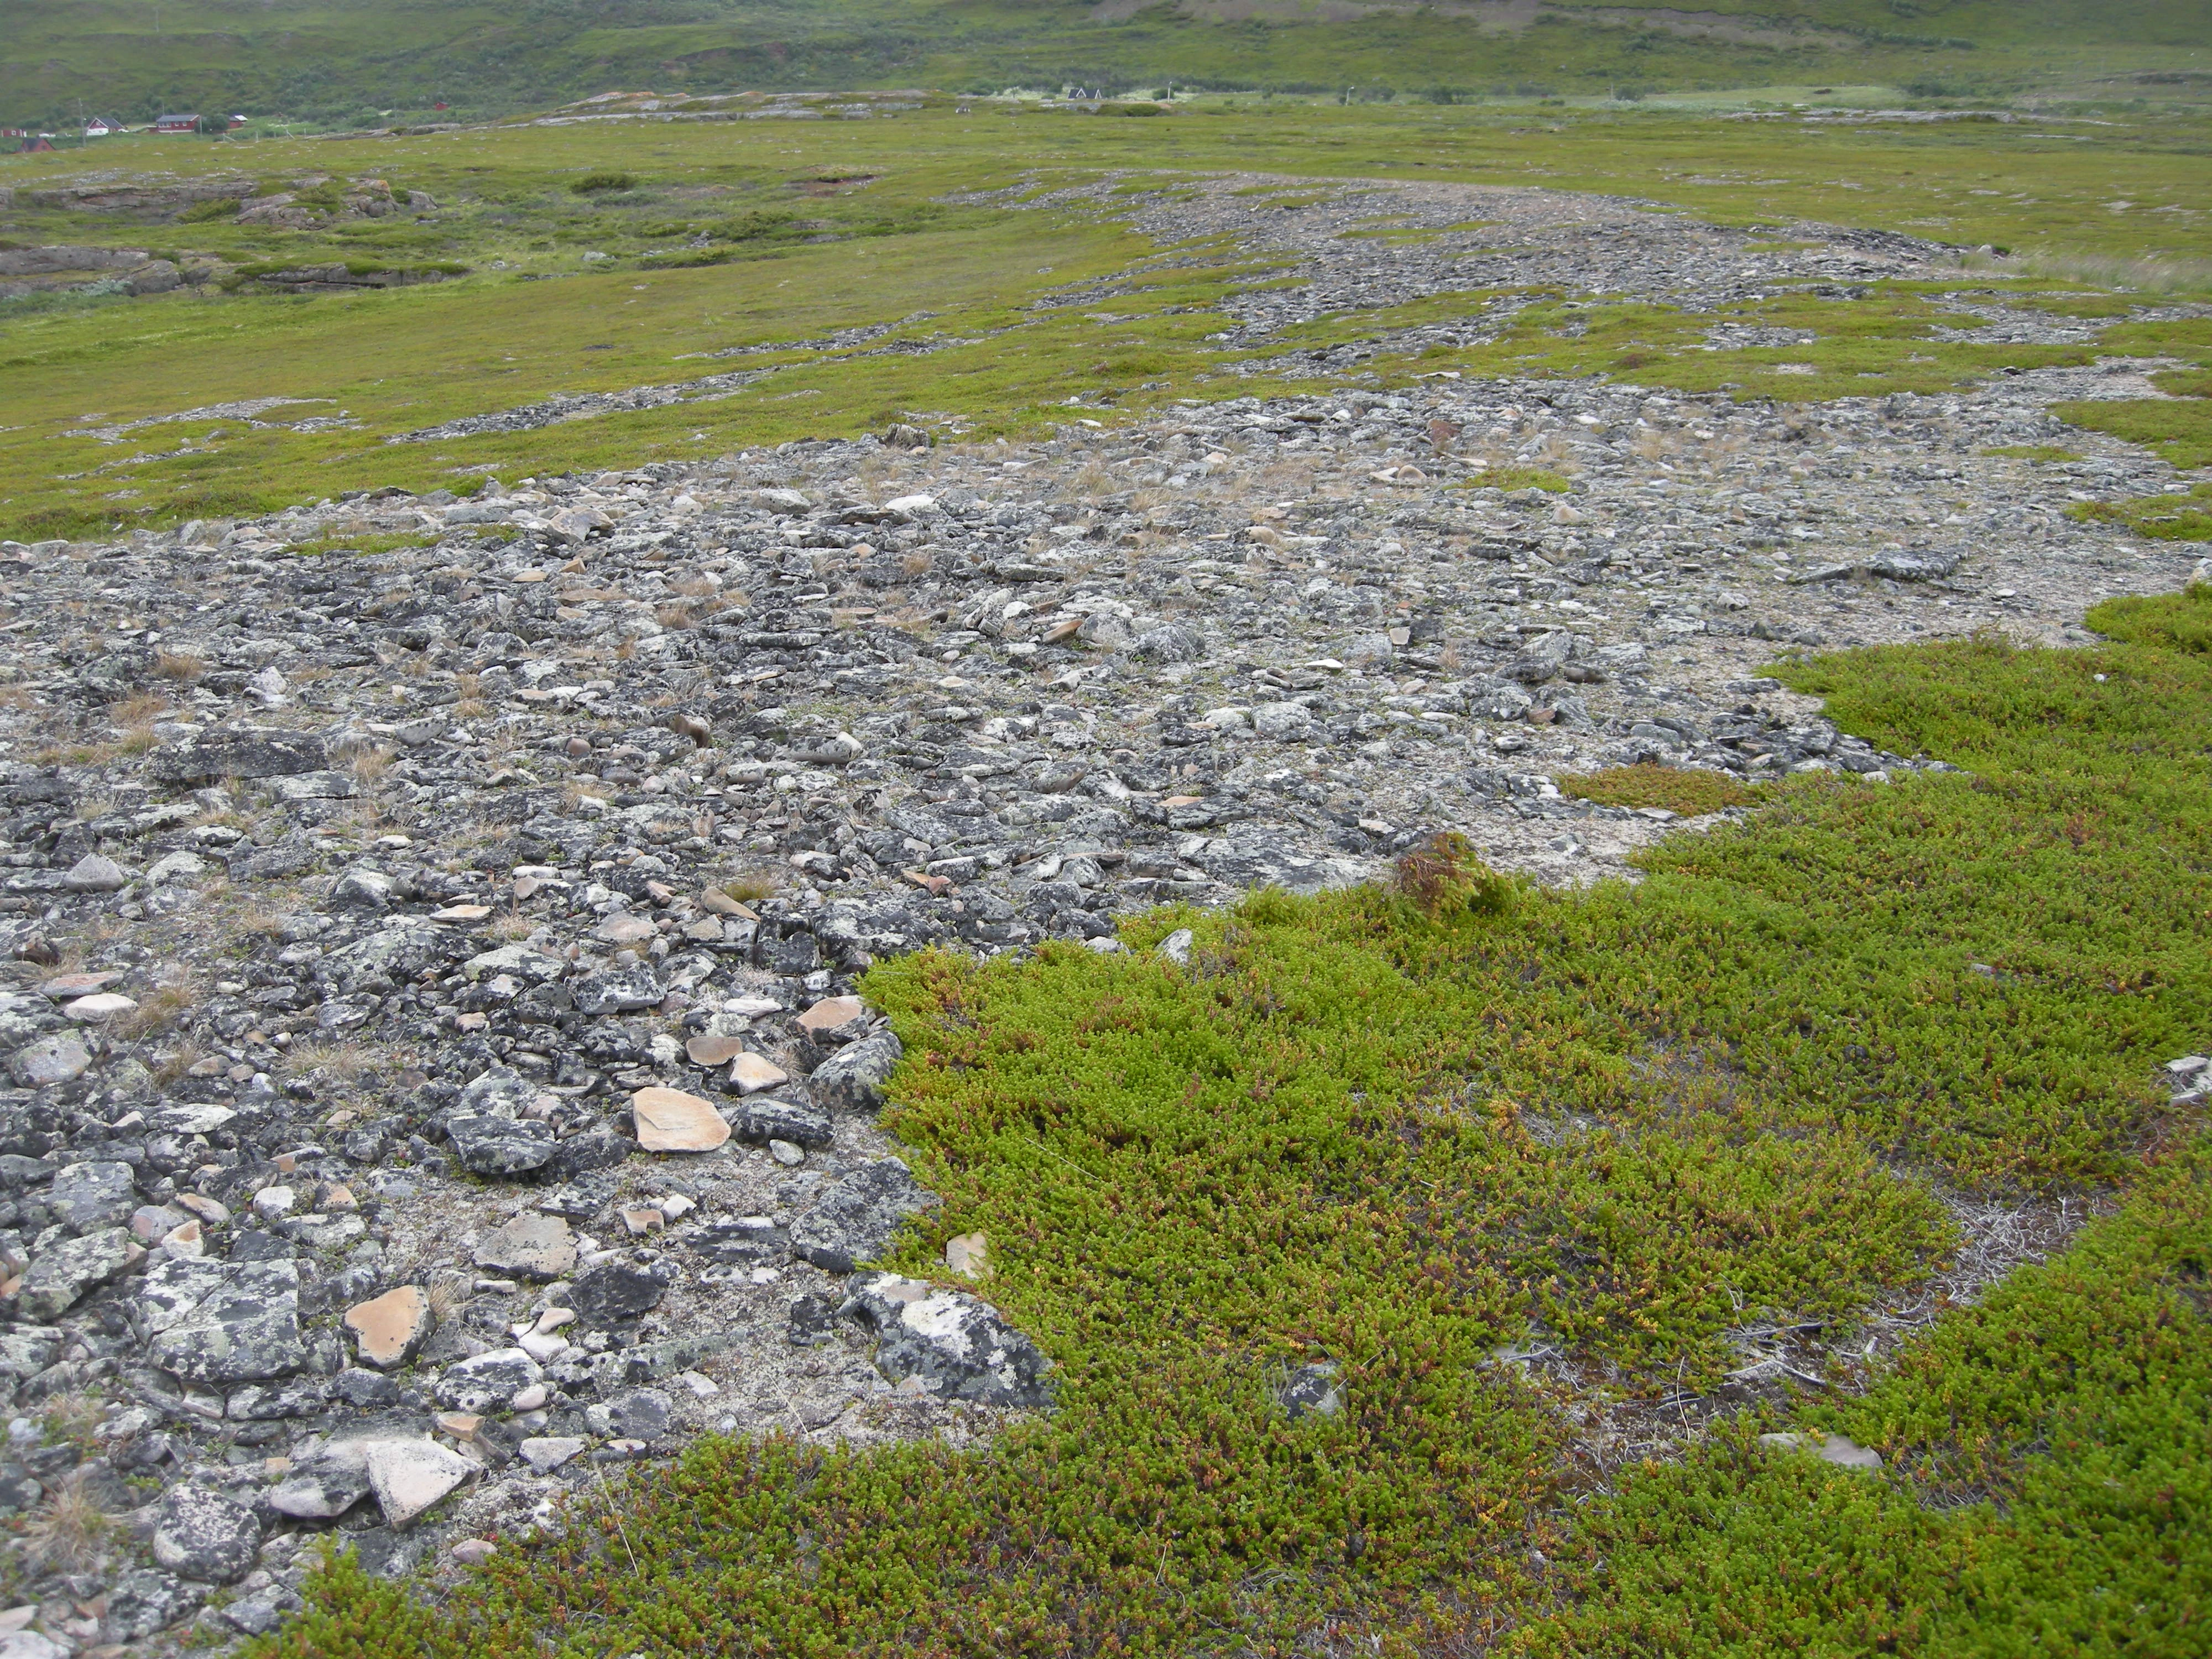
1689	792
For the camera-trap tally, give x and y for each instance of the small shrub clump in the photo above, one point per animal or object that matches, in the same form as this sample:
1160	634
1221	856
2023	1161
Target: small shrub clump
1444	876
594	184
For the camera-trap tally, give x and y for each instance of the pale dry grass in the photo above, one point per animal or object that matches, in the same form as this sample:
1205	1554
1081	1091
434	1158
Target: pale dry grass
367	765
346	1062
445	1293
179	666
67	1533
160	1010
2143	274
141	709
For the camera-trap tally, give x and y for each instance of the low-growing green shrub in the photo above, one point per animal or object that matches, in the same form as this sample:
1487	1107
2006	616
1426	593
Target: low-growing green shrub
594	184
2171	622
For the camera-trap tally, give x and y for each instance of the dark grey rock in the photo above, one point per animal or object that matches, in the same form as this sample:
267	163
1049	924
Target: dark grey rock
852	1079
223	1321
356	1387
89	1196
811	1321
205	1535
240	753
501	1145
143	1601
956	1344
1312	1391
617	991
615	1293
321	1489
487	1380
65	1272
643	1415
856	1219
733	1241
761	1118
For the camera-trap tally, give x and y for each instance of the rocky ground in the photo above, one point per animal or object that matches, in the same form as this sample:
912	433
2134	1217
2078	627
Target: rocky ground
428	974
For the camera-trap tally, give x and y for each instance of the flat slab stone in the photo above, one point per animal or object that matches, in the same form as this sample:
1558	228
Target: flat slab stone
533	1246
750	1072
711	1048
834	1016
671	1120
223	1322
388	1328
761	1118
409	1476
546	1453
59	1058
66	1273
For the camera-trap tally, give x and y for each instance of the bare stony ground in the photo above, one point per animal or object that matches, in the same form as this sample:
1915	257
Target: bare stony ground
426	973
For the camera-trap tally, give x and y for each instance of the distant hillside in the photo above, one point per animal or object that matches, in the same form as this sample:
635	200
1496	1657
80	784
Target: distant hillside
324	59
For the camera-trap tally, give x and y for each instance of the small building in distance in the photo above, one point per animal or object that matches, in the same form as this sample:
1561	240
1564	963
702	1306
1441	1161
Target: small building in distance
101	126
178	124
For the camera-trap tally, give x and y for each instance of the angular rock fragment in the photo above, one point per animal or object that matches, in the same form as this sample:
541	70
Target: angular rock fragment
409	1476
761	1118
954	1343
852	1079
223	1321
388	1329
501	1145
68	1271
531	1246
617	1294
206	1535
671	1120
855	1220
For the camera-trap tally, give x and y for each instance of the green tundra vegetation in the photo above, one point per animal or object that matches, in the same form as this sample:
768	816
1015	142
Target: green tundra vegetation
1416	1133
360	61
765	239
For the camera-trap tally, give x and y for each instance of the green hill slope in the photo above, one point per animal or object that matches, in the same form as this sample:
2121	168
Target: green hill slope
319	59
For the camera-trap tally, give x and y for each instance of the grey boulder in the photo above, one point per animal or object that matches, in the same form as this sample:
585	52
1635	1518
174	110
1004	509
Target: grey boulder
223	1321
493	1145
205	1535
852	1079
760	1118
89	1196
956	1344
241	754
143	1601
617	991
857	1217
66	1273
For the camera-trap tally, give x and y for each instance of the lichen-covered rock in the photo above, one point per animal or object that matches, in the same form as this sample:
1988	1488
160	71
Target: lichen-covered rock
955	1344
852	1079
857	1217
223	1321
206	1535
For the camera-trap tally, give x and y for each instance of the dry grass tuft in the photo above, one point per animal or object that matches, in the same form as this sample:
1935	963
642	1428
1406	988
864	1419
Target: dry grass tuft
345	1062
160	1010
179	666
367	765
68	1532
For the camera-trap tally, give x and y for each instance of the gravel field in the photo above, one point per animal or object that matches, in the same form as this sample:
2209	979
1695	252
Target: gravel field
428	972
